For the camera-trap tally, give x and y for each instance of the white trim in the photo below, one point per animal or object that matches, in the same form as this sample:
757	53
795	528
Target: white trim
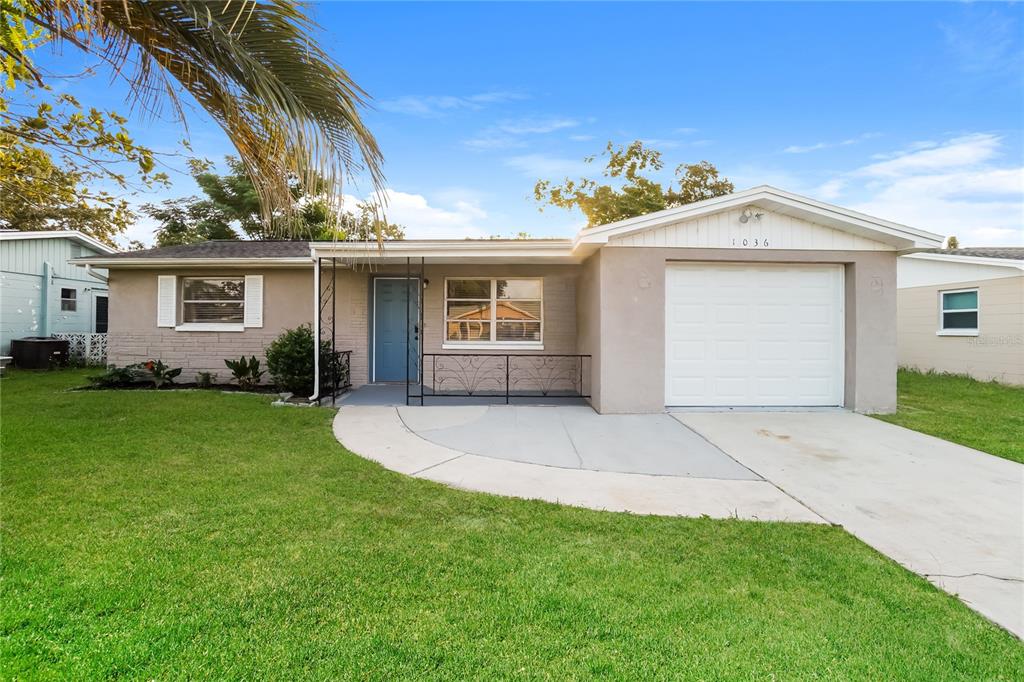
959	331
209	327
772	198
975	260
461	249
192	262
493	343
450	345
73	235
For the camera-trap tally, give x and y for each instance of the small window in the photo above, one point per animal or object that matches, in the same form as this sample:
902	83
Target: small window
69	300
213	300
494	311
959	312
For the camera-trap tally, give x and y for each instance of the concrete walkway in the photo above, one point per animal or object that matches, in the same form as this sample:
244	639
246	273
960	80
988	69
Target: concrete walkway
512	467
947	512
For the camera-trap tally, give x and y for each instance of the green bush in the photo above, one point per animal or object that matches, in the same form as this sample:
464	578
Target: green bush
290	360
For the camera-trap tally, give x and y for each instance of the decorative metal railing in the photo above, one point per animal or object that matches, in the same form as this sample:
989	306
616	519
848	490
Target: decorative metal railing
86	348
508	376
335	372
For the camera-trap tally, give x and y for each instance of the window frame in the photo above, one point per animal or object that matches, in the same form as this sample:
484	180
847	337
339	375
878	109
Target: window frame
72	300
493	343
959	331
185	326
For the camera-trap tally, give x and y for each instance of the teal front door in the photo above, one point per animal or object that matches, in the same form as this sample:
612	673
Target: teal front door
396	329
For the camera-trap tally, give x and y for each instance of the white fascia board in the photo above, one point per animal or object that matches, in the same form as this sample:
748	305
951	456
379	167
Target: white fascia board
772	198
974	260
73	235
165	263
524	249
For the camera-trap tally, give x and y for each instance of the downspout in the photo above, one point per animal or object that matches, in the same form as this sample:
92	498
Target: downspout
44	302
316	331
92	273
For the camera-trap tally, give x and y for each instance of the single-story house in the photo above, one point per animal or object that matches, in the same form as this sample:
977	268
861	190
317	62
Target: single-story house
962	311
42	293
757	298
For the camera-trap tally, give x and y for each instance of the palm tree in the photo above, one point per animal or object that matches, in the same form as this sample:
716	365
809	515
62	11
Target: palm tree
289	109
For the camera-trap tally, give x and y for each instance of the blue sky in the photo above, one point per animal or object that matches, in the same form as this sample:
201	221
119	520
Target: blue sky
912	112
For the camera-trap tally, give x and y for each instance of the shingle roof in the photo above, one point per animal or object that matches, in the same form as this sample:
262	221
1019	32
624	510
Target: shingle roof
1008	252
224	248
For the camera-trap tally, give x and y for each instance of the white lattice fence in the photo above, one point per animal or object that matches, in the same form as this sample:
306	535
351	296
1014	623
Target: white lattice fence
88	349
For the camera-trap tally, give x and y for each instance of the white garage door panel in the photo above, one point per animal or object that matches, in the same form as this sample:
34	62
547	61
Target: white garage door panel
745	334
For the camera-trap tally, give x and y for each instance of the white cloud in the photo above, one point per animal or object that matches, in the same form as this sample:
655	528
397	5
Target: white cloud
803	149
985	40
461	218
950	187
685	131
539	166
968	150
509	133
581	138
432	106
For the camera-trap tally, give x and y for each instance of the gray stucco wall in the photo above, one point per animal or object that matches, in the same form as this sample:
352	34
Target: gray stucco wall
631	364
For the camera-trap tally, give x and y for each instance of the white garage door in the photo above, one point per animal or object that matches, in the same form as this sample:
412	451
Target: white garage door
746	334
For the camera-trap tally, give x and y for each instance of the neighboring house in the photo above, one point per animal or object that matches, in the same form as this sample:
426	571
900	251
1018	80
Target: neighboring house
757	298
962	311
41	293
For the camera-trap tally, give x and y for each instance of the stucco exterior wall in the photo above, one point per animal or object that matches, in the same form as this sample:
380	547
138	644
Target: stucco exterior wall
288	302
997	352
354	317
134	337
632	324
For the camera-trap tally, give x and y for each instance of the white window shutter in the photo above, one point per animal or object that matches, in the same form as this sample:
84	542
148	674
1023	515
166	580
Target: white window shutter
166	300
254	300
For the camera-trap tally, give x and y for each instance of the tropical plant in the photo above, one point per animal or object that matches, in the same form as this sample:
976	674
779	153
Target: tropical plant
632	193
246	372
117	377
159	373
205	379
289	109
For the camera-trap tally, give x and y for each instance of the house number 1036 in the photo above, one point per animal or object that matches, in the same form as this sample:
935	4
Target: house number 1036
757	241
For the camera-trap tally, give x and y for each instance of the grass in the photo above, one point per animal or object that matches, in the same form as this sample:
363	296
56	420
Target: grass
983	415
206	535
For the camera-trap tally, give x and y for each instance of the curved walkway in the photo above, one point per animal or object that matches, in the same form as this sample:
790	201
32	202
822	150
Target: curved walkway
526	455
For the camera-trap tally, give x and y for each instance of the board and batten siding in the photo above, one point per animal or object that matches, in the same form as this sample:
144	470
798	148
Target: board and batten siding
771	231
32	273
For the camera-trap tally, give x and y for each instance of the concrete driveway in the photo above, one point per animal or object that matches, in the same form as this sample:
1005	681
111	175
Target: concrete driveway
947	512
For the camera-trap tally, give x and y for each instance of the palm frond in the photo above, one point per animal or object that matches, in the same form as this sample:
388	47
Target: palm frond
289	109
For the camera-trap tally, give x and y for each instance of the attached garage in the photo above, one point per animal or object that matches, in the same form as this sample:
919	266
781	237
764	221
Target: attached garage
754	334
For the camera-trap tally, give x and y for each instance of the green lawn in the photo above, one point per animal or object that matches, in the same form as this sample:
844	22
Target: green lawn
983	415
206	535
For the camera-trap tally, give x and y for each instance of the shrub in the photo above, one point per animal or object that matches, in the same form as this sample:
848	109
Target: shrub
290	360
116	377
246	372
205	379
159	373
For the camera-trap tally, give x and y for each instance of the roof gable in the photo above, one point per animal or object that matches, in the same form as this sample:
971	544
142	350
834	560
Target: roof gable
767	199
762	229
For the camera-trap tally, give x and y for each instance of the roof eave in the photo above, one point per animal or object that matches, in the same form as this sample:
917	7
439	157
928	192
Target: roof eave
974	260
772	198
117	263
